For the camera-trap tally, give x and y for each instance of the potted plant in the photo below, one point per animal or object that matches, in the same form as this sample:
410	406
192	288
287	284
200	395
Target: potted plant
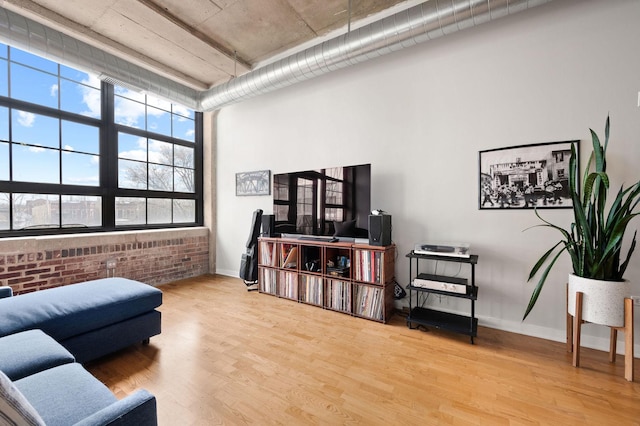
594	241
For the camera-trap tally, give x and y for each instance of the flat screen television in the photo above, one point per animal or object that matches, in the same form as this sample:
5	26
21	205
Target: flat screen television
334	201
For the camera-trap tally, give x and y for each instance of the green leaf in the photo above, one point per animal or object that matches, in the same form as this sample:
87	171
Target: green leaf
624	265
541	261
538	288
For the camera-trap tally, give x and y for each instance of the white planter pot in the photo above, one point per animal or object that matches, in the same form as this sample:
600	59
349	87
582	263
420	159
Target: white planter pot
602	301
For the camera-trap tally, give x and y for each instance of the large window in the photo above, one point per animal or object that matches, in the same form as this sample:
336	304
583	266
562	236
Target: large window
79	154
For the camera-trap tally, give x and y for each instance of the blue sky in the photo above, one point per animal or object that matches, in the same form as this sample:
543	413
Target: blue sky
45	139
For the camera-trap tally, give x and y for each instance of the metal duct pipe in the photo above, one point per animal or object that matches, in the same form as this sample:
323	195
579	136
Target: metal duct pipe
426	21
31	36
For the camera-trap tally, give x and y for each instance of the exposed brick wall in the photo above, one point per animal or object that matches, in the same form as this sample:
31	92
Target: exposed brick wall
153	257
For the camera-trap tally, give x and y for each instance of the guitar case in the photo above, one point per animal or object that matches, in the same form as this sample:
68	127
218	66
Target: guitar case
249	260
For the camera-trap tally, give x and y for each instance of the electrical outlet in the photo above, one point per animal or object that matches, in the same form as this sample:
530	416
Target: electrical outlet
111	264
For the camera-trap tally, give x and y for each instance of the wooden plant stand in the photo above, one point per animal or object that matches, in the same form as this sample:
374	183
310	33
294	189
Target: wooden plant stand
573	335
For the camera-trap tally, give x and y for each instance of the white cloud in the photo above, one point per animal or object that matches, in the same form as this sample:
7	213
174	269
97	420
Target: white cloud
134	155
128	112
95	159
36	149
68	148
91	96
190	133
183	111
26	119
88	180
53	90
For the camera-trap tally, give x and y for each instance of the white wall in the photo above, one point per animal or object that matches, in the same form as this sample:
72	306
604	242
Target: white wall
421	116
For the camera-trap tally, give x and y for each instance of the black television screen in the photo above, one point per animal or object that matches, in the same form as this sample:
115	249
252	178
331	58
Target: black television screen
325	202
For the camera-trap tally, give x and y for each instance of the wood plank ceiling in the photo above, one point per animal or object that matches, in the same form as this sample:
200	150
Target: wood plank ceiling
199	43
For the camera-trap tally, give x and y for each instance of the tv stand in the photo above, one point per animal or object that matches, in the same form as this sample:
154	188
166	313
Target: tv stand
354	279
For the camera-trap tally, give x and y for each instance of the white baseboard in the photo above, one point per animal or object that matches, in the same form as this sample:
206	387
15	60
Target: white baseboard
227	273
556	335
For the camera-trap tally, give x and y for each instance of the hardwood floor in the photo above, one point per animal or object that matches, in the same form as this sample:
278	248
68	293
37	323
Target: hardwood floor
228	356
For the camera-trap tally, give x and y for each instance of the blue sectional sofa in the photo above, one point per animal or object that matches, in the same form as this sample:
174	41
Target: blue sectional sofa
40	384
90	319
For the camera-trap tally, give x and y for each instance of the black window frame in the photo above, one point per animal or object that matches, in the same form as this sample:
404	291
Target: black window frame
108	153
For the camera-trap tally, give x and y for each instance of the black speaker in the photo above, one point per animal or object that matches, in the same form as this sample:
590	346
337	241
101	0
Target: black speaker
268	225
380	229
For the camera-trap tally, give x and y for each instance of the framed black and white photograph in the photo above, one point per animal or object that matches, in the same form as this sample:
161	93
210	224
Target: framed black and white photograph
253	183
526	176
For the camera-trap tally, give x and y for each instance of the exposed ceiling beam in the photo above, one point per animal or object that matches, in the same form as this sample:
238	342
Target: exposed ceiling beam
54	20
194	32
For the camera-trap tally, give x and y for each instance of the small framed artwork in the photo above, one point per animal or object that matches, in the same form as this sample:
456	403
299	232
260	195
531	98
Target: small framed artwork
526	176
253	183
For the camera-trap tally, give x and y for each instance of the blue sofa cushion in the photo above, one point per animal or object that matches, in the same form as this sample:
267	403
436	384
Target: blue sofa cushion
71	310
5	292
66	394
30	352
14	408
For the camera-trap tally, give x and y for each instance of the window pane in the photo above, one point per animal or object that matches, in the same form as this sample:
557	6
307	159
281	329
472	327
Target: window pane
281	188
132	174
79	99
158	121
160	178
129	94
4	124
4	78
183	156
4	161
79	76
184	111
81	210
281	213
184	180
34	61
80	169
131	211
159	210
35	164
184	128
4	211
334	192
184	211
36	210
334	214
3	50
160	152
335	172
159	103
80	137
34	86
129	113
132	147
35	129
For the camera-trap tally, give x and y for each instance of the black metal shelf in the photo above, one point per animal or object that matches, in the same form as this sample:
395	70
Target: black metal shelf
443	320
473	258
463	324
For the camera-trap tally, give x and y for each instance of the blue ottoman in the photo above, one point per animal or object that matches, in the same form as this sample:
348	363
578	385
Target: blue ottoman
90	319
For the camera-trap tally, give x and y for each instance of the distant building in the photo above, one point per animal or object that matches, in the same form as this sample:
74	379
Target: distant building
519	174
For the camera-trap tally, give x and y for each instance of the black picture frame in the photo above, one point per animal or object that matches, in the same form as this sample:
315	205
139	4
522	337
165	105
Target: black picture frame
526	176
253	183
